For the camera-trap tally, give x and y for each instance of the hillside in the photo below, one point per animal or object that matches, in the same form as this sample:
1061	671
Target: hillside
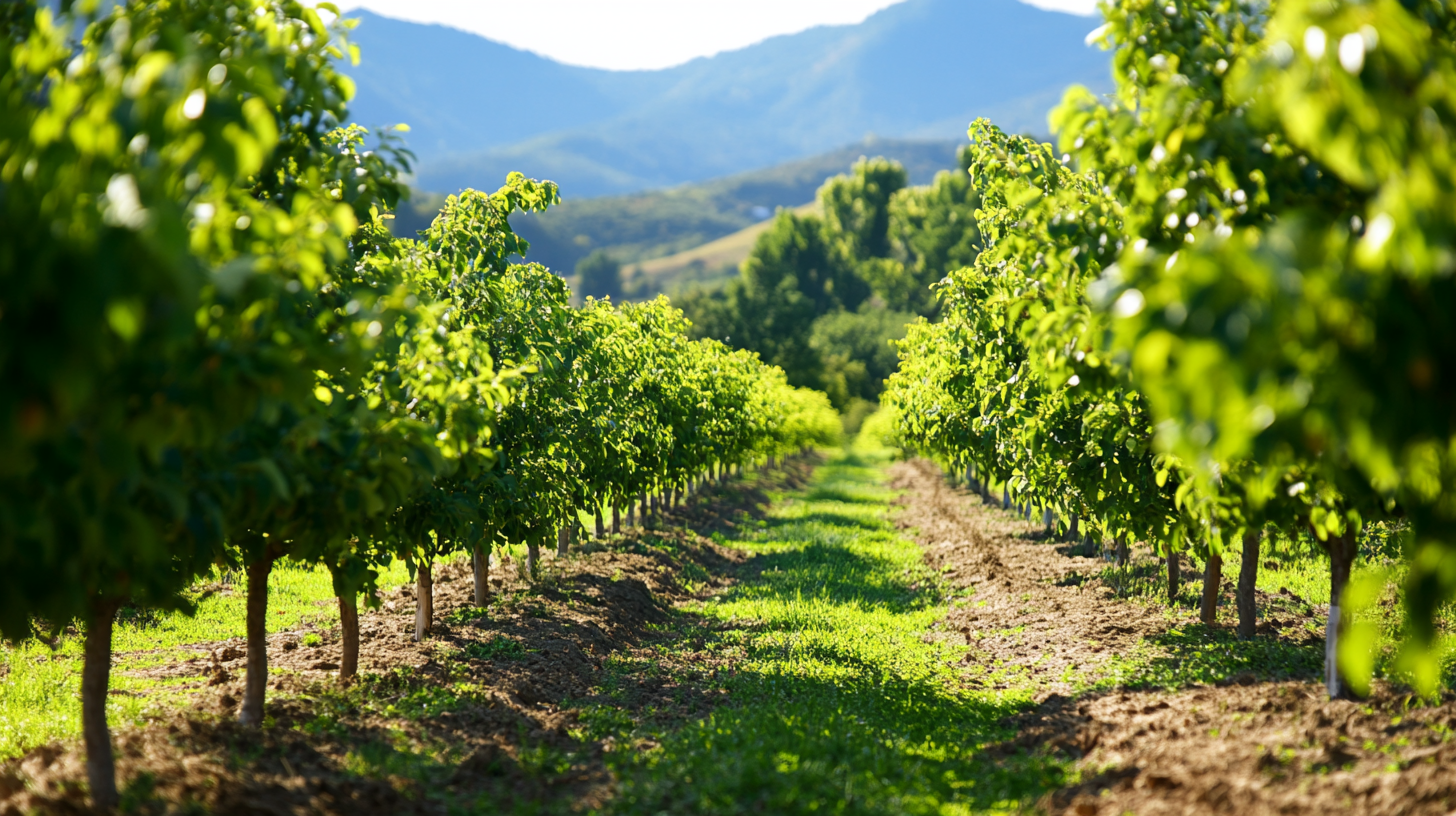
709	264
921	69
644	226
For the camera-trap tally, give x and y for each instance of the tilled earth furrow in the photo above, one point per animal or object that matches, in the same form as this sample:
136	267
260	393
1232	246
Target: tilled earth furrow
1040	616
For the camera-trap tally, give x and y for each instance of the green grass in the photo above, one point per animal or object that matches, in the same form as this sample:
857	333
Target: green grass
40	694
840	703
1296	577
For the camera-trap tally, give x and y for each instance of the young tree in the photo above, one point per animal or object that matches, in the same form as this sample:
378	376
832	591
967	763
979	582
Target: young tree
1282	302
141	283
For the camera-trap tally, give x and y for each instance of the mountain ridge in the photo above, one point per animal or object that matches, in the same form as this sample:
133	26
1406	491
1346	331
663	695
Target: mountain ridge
919	69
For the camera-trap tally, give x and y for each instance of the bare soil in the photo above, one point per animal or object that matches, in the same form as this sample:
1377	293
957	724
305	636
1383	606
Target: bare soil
402	740
1248	744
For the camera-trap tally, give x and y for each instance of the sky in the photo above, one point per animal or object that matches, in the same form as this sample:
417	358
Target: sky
638	34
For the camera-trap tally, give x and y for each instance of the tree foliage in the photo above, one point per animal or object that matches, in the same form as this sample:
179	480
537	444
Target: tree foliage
1241	285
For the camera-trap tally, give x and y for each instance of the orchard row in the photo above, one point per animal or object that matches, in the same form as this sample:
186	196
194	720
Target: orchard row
215	352
1228	306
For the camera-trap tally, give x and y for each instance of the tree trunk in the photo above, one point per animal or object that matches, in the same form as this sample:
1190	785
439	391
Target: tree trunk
1173	576
1342	557
563	540
349	628
533	557
1248	579
1212	582
1074	531
424	600
1005	497
257	680
631	513
480	563
642	508
770	462
1049	521
617	519
600	530
95	685
1122	550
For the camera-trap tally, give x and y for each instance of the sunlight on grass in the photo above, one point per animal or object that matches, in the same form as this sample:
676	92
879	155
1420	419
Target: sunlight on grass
842	706
1296	581
40	692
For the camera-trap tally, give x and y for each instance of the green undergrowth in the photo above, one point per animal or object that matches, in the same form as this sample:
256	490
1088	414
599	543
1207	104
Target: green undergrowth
1295	580
838	701
41	681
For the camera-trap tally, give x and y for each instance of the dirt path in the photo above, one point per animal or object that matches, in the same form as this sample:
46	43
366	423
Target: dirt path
1039	614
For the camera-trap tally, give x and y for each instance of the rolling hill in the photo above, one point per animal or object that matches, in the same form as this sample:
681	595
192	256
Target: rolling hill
650	225
921	69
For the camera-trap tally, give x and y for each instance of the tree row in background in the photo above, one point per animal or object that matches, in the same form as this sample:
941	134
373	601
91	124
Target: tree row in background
1226	308
822	296
215	354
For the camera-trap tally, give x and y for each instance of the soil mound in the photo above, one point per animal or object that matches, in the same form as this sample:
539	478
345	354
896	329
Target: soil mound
1248	744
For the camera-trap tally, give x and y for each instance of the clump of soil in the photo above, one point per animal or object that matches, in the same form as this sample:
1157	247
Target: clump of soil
1248	744
487	710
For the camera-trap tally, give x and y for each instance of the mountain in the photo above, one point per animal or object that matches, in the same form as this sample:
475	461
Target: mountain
921	69
654	224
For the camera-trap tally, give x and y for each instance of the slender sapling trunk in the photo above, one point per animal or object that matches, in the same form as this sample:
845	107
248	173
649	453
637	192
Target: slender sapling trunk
1342	557
424	600
600	530
617	519
349	628
563	540
1122	550
95	685
533	557
1212	581
1173	575
256	684
480	565
1248	578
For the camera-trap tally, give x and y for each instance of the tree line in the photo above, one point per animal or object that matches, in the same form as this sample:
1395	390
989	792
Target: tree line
1224	307
217	355
822	296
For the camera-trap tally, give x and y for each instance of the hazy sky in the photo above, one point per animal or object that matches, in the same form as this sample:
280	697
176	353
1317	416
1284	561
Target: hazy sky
623	34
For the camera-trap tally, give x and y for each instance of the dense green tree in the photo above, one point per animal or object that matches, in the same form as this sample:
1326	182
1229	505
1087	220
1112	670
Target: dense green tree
822	296
856	351
857	207
796	272
599	275
933	232
1284	293
153	300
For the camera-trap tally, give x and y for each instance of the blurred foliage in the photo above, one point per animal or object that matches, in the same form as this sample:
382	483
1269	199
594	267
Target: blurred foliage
822	297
